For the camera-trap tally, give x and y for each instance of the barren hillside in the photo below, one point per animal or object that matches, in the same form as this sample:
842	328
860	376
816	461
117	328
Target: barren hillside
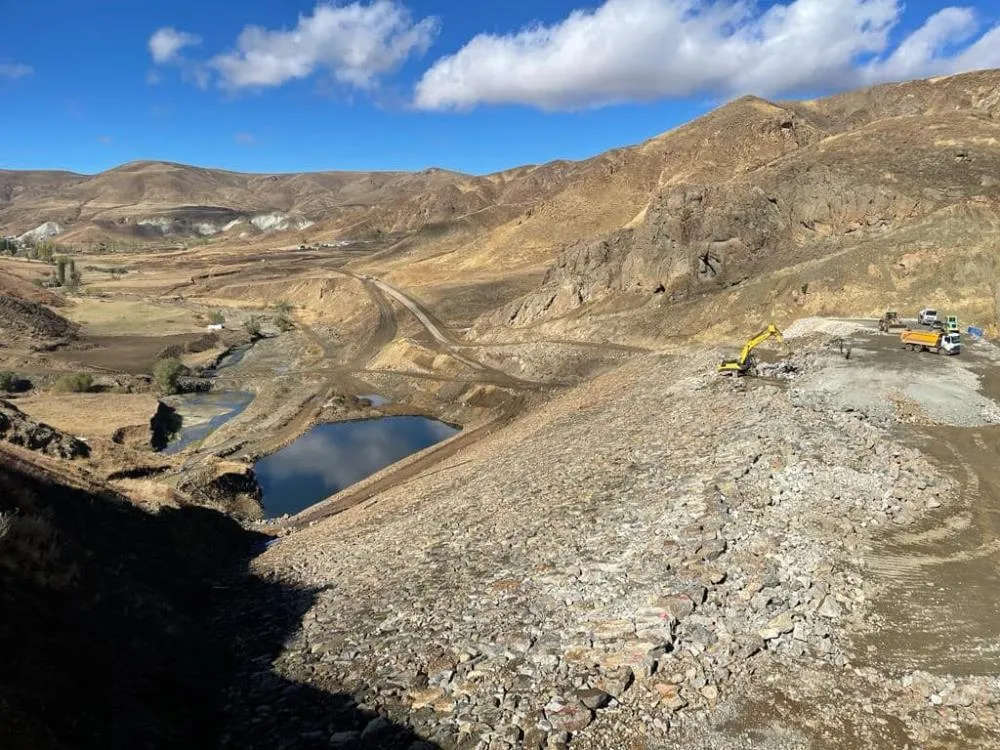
891	183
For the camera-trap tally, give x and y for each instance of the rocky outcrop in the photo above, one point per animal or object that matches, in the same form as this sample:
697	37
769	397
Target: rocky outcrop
850	190
228	485
18	428
23	320
163	425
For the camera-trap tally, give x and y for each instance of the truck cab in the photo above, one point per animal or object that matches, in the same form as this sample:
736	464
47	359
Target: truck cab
927	317
951	343
951	326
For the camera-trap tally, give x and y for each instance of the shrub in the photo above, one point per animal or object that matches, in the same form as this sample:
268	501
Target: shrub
284	323
8	381
76	382
252	326
283	306
216	318
166	373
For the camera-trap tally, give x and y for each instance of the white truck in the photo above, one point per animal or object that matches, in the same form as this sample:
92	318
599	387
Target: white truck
927	317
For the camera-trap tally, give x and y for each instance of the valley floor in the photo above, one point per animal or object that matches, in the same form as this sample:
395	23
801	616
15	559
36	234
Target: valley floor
662	557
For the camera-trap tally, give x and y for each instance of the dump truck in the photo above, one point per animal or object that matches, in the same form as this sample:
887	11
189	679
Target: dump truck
889	320
937	342
746	364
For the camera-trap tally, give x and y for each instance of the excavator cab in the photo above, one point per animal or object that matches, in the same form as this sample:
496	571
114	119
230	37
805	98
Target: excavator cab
746	364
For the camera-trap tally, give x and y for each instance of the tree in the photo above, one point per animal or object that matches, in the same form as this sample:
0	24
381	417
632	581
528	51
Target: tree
252	326
61	271
8	381
45	250
166	373
74	278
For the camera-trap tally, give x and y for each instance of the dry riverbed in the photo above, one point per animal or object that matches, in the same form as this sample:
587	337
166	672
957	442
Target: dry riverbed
659	557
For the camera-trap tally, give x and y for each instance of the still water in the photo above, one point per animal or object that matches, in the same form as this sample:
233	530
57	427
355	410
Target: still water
331	457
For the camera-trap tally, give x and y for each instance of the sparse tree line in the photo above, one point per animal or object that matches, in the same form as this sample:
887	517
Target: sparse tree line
254	324
116	272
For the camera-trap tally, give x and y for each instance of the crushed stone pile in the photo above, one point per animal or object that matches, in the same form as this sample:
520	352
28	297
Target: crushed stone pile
614	568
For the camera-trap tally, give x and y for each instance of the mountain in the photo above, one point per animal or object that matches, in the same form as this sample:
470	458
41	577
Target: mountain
877	196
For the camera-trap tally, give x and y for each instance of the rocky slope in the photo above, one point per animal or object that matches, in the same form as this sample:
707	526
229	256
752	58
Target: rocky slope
26	316
18	428
860	178
660	556
869	199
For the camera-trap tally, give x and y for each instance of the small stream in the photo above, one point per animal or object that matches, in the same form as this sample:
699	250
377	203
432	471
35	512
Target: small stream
204	413
330	457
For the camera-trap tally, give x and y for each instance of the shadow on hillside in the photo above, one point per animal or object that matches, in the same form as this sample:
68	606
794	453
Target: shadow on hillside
123	629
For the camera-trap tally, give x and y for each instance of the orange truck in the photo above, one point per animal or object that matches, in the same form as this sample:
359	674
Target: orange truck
938	342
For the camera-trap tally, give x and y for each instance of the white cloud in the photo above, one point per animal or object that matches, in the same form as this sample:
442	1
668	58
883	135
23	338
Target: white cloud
165	44
638	50
15	70
356	43
245	139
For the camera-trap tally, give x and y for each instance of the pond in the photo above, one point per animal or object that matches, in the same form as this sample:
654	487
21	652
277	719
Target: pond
331	457
204	413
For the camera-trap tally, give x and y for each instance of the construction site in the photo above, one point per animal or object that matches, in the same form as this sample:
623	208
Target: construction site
650	450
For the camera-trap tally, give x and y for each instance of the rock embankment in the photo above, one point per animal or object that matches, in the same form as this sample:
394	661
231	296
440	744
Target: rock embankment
654	549
18	428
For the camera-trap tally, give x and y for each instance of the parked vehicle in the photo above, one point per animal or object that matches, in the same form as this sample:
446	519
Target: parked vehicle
927	317
889	320
951	326
931	341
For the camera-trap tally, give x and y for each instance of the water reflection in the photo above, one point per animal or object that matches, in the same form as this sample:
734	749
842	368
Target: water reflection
332	456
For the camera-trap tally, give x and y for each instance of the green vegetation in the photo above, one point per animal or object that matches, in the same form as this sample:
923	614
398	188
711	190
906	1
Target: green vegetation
283	306
166	374
216	318
284	323
8	247
116	272
76	382
8	381
66	274
252	326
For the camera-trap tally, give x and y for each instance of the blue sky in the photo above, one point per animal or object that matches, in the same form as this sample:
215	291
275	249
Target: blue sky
407	84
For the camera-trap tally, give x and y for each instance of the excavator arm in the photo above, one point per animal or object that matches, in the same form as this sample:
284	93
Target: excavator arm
742	365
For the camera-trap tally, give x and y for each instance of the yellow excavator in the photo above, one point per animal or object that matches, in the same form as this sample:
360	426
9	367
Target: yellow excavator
746	364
